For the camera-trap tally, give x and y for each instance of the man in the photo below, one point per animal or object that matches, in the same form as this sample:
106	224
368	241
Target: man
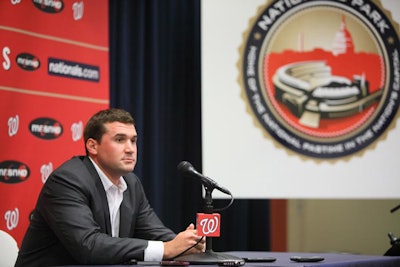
93	210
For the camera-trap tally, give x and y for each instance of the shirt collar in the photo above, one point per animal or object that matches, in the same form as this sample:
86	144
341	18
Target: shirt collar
107	184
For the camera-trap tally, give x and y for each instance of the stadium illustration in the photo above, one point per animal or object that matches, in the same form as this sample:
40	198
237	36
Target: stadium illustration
311	92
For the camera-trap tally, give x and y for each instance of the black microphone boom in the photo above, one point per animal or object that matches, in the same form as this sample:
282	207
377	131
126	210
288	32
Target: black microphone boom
188	170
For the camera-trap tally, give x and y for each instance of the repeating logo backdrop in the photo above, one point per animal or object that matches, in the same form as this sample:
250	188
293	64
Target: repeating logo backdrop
53	76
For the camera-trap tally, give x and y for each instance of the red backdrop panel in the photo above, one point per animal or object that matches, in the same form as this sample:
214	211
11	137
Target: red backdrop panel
53	76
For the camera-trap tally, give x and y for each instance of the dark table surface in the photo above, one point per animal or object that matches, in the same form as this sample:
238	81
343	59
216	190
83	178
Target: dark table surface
283	259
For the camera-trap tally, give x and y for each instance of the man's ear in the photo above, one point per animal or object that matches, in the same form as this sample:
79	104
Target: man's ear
91	146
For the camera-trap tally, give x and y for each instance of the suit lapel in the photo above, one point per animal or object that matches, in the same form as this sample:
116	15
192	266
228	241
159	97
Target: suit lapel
125	222
105	224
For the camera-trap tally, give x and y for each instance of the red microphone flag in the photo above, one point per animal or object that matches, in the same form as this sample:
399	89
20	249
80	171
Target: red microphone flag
208	224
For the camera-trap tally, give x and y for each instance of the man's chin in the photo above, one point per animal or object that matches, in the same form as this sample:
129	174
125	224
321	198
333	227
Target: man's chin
129	167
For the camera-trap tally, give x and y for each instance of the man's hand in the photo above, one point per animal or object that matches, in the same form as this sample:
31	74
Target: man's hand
183	241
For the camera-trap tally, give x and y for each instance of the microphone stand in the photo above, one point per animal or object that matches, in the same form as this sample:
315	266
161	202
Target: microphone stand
394	250
210	256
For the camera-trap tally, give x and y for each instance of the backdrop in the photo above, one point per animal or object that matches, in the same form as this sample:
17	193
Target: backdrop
52	79
300	98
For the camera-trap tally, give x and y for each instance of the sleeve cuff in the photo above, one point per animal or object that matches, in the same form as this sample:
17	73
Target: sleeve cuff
154	251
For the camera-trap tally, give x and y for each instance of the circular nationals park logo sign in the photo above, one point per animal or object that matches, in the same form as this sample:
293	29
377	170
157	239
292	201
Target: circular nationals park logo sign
322	77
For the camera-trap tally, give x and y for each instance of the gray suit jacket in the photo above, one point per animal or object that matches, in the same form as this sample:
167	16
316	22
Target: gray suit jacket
71	221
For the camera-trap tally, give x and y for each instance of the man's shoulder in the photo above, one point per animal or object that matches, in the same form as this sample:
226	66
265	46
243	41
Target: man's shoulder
74	162
75	168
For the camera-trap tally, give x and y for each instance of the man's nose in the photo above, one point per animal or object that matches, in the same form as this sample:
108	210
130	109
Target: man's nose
130	146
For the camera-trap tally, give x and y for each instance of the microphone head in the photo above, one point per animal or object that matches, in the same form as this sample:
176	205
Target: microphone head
187	169
185	166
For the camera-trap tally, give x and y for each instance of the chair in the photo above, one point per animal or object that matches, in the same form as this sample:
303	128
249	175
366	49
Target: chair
8	250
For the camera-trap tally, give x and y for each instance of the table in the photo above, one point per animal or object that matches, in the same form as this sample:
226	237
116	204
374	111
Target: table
331	259
283	260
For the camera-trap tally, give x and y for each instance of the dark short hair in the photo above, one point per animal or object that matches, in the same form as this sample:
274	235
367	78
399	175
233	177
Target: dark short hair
95	126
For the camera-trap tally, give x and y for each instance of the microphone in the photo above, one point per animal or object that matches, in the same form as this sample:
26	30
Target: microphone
188	170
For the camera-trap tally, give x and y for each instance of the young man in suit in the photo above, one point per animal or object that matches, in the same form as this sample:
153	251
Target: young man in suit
93	209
